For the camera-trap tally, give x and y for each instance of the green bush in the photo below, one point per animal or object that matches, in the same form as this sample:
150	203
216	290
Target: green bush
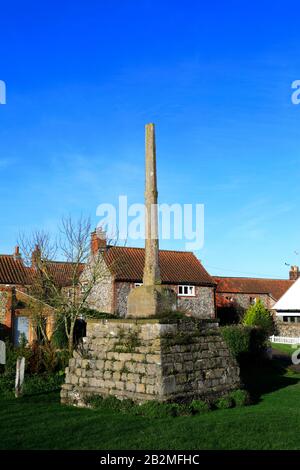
150	409
154	409
12	354
240	397
39	358
171	315
244	342
257	315
63	357
110	402
200	406
7	384
259	342
124	406
89	313
39	383
238	339
59	338
42	383
224	403
94	401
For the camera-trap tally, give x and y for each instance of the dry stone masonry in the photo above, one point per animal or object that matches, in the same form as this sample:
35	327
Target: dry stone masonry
149	360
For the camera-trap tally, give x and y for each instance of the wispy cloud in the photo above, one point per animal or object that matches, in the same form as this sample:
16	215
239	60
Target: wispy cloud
256	219
6	162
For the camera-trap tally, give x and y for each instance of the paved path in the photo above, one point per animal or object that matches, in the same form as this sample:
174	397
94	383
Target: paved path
286	359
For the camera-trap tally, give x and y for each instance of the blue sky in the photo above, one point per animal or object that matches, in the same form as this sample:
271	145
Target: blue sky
83	78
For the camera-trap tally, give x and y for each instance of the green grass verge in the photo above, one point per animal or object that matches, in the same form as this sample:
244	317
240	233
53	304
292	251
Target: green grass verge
284	348
40	422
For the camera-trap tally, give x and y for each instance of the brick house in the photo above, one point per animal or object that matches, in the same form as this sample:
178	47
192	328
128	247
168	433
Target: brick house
16	303
123	271
14	277
234	295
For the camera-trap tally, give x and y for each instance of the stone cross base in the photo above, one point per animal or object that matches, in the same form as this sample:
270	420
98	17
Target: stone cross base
148	360
150	301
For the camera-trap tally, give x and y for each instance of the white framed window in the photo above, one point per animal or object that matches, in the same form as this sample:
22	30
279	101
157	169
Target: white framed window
138	284
186	291
84	287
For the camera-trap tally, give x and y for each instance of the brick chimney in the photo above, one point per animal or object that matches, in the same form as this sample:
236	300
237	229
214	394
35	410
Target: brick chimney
98	241
17	254
294	273
36	256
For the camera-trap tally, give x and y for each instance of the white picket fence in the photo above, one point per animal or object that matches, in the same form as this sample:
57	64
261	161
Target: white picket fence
284	340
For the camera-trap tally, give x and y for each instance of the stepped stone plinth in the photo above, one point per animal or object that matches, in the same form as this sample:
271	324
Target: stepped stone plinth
148	360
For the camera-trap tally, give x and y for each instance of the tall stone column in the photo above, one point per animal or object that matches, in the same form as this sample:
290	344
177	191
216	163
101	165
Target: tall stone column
151	268
151	299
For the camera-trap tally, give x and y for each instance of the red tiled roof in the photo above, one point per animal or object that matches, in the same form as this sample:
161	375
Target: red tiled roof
127	264
13	271
247	285
63	272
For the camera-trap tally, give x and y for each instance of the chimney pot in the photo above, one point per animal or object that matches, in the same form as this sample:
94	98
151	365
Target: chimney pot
294	273
36	255
98	241
17	252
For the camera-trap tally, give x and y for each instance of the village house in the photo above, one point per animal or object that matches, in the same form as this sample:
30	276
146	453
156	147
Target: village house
234	295
123	270
16	302
198	294
14	277
287	312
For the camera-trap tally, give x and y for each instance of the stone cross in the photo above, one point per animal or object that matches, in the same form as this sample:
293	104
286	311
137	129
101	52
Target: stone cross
151	299
2	353
20	371
151	268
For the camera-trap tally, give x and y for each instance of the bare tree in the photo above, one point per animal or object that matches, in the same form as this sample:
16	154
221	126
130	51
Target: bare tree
66	290
37	243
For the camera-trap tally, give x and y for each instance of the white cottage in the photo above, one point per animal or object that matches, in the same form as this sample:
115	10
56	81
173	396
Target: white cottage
287	312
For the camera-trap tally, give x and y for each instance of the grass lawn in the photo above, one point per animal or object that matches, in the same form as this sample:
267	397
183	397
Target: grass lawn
285	348
40	422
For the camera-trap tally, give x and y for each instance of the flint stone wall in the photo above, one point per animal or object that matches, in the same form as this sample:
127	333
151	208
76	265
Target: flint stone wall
289	329
147	360
202	305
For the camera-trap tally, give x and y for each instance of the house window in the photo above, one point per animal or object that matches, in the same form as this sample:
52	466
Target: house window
289	319
138	284
188	291
252	300
84	287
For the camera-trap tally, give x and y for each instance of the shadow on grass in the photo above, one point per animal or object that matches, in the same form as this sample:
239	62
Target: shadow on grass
38	397
54	392
262	377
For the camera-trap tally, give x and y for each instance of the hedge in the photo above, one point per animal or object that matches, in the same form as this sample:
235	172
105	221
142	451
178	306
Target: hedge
244	342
